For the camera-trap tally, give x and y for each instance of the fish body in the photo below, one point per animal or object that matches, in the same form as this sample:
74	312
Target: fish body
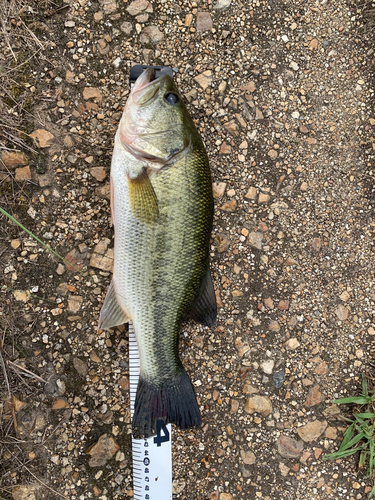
162	210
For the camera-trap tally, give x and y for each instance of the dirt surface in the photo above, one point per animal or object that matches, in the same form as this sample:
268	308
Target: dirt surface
283	96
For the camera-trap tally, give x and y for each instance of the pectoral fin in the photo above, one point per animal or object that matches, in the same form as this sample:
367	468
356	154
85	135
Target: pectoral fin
204	309
111	314
142	197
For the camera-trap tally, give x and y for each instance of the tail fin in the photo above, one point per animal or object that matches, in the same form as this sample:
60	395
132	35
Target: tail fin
172	401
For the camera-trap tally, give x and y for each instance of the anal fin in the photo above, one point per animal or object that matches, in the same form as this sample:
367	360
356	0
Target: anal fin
142	198
204	308
111	313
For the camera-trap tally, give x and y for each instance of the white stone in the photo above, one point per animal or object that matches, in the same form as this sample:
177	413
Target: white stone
267	366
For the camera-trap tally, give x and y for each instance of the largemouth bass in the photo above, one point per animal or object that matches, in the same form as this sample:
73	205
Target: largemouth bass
162	211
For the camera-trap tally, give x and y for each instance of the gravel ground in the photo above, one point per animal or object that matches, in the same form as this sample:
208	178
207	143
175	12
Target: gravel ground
282	93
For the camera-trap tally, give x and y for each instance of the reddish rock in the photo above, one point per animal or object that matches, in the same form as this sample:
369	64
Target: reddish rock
98	173
218	299
322	368
22	174
74	303
249	389
251	193
274	326
331	433
204	79
218	189
248	457
269	302
234	405
109	6
248	87
259	404
204	22
272	154
222	242
288	447
151	34
232	128
80	366
139	6
75	261
225	149
225	496
332	411
314	396
13	159
316	244
25	492
312	431
102	451
342	312
104	191
311	140
123	382
91	106
255	239
92	93
263	198
283	305
59	404
284	469
42	138
69	76
229	206
292	344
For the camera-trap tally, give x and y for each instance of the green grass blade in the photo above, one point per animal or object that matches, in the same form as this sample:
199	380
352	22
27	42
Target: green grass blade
358	400
371	460
353	441
340	454
348	420
359	420
364	385
362	458
10	217
372	492
347	437
365	415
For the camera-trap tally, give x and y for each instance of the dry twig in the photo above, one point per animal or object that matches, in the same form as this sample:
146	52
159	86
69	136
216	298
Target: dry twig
17	367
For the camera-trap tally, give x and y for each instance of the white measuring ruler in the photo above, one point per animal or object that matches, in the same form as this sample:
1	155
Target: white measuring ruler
152	457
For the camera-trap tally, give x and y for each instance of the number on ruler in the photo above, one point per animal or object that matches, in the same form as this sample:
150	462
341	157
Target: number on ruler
159	439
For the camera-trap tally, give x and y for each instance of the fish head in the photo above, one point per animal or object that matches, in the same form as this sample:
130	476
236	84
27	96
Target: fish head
155	126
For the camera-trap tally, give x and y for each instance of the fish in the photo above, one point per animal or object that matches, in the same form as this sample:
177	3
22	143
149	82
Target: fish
162	212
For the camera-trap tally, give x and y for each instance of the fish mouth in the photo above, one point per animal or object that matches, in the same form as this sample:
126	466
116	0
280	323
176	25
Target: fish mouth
146	87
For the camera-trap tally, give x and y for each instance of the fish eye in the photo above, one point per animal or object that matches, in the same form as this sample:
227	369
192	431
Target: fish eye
171	98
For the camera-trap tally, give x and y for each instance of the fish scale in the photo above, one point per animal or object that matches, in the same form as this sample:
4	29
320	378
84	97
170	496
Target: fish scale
162	231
